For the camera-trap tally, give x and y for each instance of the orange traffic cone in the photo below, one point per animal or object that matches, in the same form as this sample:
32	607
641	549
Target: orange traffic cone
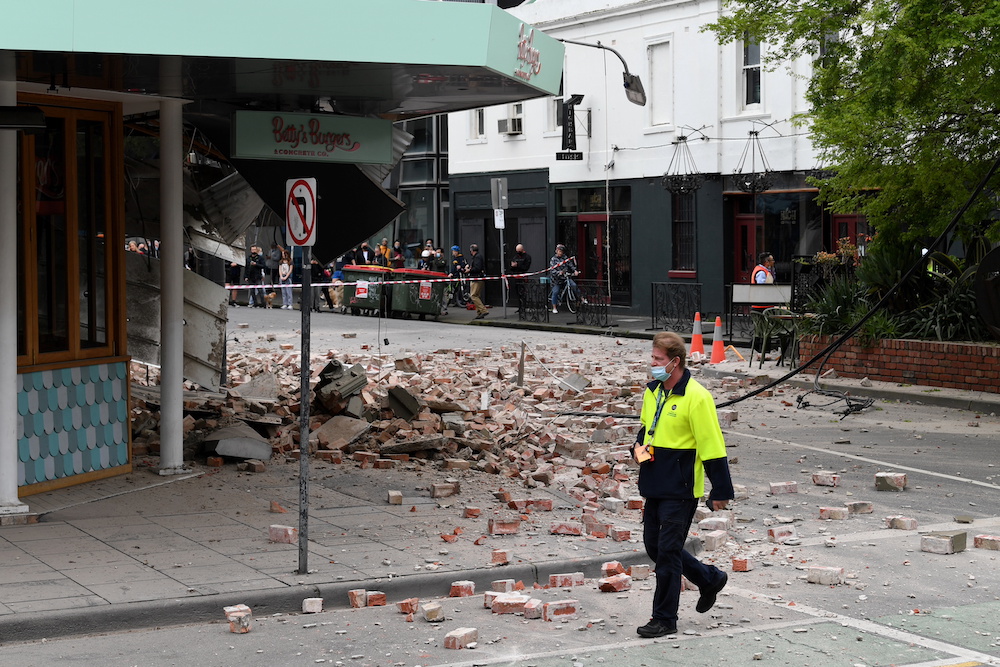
697	344
718	347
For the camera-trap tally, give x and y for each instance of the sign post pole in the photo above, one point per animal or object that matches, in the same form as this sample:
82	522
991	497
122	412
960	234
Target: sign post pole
498	193
305	306
300	230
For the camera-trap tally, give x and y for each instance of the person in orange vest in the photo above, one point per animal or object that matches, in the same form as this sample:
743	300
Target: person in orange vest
763	273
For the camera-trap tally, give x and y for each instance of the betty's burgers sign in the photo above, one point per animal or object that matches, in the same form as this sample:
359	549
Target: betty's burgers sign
266	135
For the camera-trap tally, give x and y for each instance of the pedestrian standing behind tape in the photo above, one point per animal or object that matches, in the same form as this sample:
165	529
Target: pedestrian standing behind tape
477	271
285	276
680	442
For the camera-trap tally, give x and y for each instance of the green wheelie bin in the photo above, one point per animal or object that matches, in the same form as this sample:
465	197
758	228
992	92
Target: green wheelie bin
365	291
423	298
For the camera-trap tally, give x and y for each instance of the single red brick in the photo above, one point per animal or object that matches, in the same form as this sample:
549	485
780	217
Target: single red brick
214	461
462	589
376	599
509	603
358	598
542	504
461	638
471	512
365	457
566	579
612	568
503	527
559	609
282	534
533	608
615	584
408	606
566	528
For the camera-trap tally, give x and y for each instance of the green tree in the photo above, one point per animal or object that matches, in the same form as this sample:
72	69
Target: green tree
905	102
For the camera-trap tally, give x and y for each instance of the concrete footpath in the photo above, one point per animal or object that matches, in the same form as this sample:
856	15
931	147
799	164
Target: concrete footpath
141	550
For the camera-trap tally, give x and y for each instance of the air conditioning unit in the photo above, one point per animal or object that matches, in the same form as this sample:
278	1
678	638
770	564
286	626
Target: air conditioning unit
509	125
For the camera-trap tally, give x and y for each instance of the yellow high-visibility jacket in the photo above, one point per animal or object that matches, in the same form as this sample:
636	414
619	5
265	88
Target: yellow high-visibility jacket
687	443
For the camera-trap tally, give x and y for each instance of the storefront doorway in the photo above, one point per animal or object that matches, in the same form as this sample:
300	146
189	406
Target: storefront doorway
590	239
748	230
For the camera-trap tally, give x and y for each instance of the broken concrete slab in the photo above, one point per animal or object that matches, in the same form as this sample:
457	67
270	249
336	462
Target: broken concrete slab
262	387
576	382
239	440
402	403
340	429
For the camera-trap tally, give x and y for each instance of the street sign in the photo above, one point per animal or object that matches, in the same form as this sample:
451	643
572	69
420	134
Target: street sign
498	219
498	192
570	155
300	211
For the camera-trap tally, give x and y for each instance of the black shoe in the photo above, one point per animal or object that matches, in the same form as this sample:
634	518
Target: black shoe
480	316
657	628
707	599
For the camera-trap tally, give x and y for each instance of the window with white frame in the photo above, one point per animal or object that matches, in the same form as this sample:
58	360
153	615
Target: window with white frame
661	84
477	124
555	120
751	71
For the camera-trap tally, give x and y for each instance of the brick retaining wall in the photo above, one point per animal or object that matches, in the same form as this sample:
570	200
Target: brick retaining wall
968	366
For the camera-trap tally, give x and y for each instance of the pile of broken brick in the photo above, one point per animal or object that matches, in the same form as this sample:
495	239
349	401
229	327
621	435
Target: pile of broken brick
463	407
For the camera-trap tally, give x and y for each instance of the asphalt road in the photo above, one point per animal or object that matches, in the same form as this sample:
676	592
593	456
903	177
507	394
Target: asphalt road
897	606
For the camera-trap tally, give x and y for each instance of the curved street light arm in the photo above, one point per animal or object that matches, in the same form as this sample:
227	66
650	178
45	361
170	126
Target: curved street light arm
633	86
597	46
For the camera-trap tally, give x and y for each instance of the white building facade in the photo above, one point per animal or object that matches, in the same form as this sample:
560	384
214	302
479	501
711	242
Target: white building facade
711	109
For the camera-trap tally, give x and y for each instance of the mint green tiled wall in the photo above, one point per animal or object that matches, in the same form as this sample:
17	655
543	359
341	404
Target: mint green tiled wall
71	421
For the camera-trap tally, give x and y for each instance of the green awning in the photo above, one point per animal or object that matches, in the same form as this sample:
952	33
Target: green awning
396	58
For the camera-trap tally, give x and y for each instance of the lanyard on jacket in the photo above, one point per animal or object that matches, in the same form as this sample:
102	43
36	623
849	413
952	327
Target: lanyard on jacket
665	396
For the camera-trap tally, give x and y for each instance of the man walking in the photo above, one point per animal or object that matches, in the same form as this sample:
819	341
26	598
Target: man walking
477	271
679	444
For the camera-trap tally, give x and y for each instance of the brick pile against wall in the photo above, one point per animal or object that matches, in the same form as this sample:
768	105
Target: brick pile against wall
968	366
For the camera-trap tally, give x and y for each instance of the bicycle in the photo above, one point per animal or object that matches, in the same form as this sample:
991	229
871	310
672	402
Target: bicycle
568	295
459	293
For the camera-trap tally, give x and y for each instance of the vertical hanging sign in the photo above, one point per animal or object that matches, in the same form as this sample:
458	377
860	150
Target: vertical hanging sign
300	211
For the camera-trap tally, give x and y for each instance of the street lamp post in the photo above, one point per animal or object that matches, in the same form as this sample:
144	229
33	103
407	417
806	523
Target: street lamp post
636	94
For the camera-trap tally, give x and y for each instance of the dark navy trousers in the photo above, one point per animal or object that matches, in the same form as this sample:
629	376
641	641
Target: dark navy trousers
665	525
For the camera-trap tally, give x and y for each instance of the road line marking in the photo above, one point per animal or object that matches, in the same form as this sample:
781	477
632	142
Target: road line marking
894	466
873	628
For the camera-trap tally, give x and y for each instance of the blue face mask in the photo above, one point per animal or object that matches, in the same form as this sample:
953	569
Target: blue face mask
660	372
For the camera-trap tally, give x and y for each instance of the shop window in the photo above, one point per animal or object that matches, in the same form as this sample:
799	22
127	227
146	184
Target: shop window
65	267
